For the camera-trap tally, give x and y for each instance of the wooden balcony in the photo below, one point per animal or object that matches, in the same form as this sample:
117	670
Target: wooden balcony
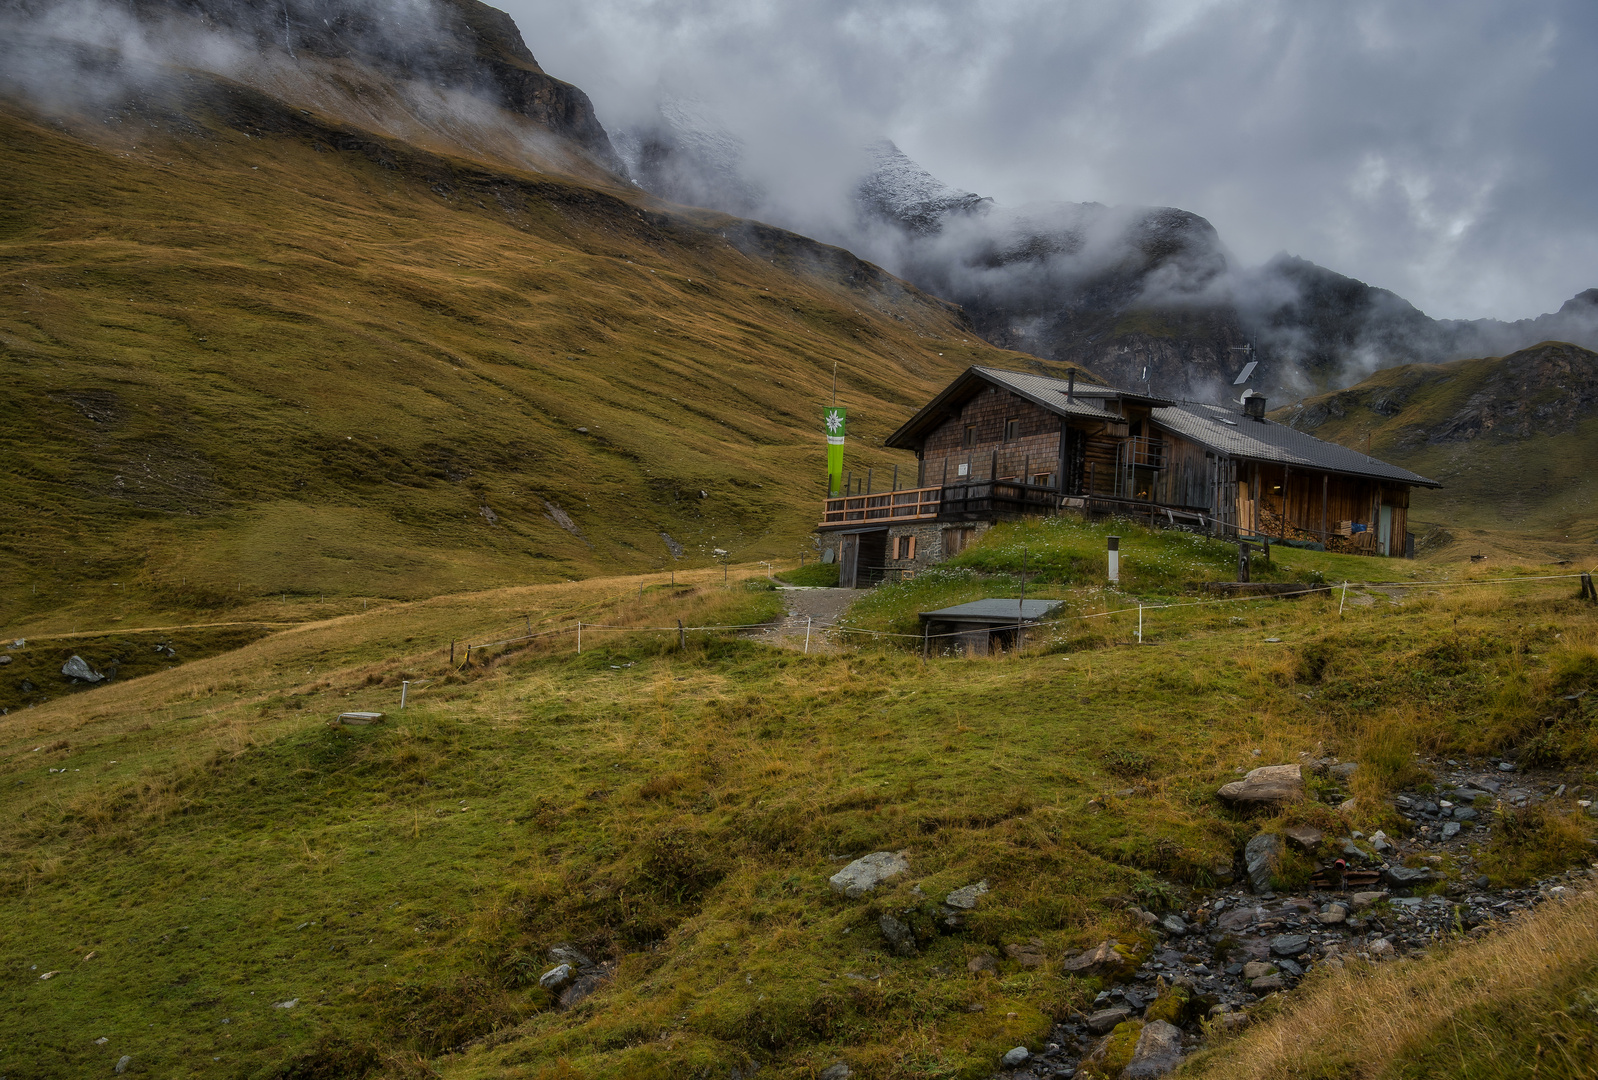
887	507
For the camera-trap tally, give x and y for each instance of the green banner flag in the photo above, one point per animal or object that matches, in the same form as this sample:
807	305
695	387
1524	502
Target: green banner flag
834	421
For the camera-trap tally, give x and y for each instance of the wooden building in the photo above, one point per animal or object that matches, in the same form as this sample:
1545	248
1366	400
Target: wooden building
997	444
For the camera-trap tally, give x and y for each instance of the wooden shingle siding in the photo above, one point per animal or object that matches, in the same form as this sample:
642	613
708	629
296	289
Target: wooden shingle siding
1037	448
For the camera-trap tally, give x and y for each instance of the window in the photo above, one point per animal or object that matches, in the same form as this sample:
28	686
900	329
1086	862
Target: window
905	548
1043	479
1012	429
970	437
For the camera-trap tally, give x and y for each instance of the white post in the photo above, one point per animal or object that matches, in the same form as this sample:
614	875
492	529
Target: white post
1115	560
579	637
807	635
1140	624
1343	601
404	689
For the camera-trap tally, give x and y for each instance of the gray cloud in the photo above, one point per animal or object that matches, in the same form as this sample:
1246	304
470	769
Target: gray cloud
1439	149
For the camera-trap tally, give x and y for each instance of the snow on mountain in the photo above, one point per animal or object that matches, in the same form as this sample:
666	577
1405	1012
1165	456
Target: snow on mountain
899	191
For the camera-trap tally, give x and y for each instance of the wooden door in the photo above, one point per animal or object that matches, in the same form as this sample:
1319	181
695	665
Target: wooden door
848	561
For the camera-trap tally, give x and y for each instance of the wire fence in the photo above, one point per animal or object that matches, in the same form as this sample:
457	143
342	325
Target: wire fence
1021	626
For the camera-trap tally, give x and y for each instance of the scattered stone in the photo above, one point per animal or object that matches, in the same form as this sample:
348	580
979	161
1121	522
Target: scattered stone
966	898
1257	969
569	954
837	1071
867	872
1173	924
585	983
1407	877
1379	947
1304	837
1016	1057
1289	945
1334	914
556	978
987	962
1363	900
1346	806
1344	770
1261	858
1465	813
1451	829
1380	843
122	1063
1029	955
1266	786
1105	1020
4	660
1105	958
78	668
899	935
1506	766
1266	984
1158	1051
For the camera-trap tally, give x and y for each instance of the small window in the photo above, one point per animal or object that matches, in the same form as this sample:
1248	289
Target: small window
1043	479
1012	429
970	438
964	469
906	548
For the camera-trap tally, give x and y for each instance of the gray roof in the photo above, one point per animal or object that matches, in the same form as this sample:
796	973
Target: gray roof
1089	400
994	611
1230	432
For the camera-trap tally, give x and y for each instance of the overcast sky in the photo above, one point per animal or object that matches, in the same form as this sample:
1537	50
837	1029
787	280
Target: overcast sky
1445	149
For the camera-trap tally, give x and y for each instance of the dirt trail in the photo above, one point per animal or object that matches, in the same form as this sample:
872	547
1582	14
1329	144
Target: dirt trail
813	607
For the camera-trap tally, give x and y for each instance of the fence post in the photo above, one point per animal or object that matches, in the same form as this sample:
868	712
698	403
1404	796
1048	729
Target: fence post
405	687
1140	624
682	637
452	654
807	634
1343	601
926	638
579	637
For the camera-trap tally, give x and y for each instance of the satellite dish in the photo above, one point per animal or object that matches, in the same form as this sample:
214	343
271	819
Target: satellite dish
1248	369
1246	395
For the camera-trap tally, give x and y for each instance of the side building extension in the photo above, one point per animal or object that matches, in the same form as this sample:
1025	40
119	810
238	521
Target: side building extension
1000	444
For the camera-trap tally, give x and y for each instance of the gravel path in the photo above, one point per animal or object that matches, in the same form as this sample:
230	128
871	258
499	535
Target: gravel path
818	606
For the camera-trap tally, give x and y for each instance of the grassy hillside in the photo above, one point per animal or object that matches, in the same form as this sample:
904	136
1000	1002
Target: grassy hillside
1513	439
193	850
251	353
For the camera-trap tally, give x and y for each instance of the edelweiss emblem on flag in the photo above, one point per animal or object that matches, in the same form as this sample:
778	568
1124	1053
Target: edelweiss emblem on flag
834	421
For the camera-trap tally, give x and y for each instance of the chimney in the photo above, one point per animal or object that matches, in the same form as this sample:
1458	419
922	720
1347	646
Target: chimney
1070	387
1254	407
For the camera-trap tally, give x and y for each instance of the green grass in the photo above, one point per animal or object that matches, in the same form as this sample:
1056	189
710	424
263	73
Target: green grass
816	575
220	848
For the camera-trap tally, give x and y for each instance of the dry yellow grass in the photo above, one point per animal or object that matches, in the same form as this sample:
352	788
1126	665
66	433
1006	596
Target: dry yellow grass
1444	1015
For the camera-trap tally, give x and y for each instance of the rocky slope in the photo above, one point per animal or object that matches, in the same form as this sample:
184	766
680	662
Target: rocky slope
451	74
1141	294
1510	437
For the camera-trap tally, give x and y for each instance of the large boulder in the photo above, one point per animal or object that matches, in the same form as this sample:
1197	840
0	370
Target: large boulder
1262	857
869	871
1158	1051
78	668
1271	785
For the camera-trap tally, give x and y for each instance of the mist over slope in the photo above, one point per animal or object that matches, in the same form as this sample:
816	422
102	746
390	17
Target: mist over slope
253	348
1514	439
1142	294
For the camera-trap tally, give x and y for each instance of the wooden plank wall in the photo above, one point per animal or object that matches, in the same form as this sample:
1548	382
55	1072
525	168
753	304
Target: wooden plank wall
1038	444
1260	503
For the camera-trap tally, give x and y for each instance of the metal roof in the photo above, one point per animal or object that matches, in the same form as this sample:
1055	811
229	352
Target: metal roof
1089	400
995	611
1230	432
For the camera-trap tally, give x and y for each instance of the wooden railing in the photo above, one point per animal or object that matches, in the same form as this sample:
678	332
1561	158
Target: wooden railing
914	504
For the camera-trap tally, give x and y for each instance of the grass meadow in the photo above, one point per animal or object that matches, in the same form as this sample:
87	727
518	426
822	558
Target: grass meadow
193	849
